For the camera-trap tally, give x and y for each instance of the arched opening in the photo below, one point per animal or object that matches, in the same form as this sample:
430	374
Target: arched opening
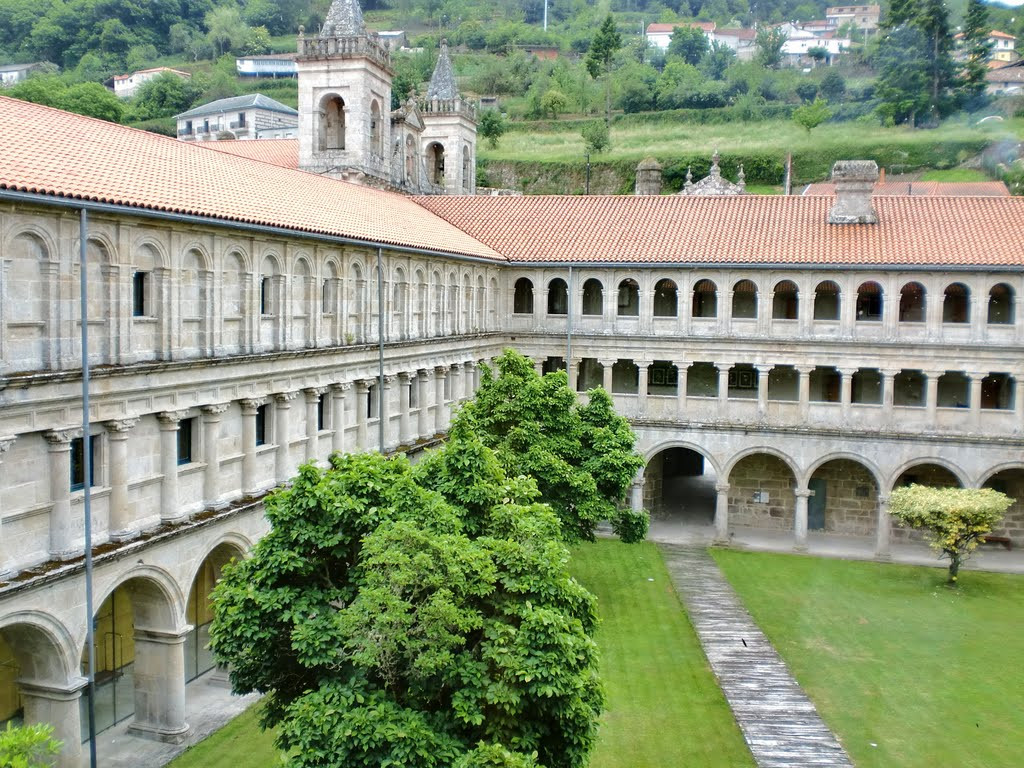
199	610
912	303
26	303
625	377
232	291
702	380
435	163
784	383
785	301
679	487
844	499
825	385
743	381
866	387
522	299
744	299
590	374
437	305
137	672
909	388
400	305
192	303
593	297
826	301
954	390
956	303
629	298
332	123
934	475
302	303
101	306
666	299
998	391
705	299
376	130
761	493
869	302
1011	482
422	290
1000	305
558	297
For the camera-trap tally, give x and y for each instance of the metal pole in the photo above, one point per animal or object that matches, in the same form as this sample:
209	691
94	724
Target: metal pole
545	15
588	173
380	350
568	327
83	230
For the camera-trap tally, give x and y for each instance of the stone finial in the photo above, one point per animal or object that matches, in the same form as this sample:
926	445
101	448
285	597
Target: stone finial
689	178
344	19
648	177
855	181
442	82
741	178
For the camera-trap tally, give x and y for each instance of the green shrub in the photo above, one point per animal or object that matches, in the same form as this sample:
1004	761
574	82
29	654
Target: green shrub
631	525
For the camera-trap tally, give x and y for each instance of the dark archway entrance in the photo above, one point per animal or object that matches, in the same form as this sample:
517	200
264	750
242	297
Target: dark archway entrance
1010	482
679	485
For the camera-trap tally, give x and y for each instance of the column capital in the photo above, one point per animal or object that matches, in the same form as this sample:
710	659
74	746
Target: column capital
120	427
847	371
440	371
341	387
803	493
170	419
283	399
889	373
883	501
363	386
251	404
389	379
764	367
62	437
724	366
805	370
6	442
933	374
605	362
422	373
214	410
682	365
976	375
722	487
405	378
313	393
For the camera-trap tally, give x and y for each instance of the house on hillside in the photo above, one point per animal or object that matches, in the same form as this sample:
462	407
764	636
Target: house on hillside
1002	46
254	116
740	39
1005	78
125	86
15	73
659	35
267	65
799	43
863	17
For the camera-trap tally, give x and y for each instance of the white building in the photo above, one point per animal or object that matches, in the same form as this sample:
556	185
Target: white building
253	116
125	86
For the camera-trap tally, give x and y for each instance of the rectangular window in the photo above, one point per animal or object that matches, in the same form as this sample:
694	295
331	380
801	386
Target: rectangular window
78	462
321	407
414	392
261	425
265	296
139	283
185	433
241	119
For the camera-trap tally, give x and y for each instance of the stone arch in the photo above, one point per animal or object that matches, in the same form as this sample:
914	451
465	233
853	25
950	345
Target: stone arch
161	596
28	296
331	123
913	300
492	310
42	646
435	163
481	296
437	304
467	170
664	445
744	299
956	303
844	494
761	484
593	297
42	237
1001	304
558	297
666	298
628	304
1008	478
827	298
704	299
399	303
201	253
870	301
678	483
870	466
198	607
730	465
155	247
422	301
924	461
991	472
194	300
785	300
376	129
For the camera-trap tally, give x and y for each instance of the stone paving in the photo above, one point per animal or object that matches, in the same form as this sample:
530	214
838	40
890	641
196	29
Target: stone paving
779	722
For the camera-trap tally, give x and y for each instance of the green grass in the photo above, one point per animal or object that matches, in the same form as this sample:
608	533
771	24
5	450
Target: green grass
906	670
239	744
664	707
956	175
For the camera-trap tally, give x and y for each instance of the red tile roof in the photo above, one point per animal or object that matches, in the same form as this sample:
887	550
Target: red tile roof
77	157
280	152
706	26
747	229
922	188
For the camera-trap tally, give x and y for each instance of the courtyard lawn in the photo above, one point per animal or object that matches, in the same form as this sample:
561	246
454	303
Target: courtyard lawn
664	706
907	671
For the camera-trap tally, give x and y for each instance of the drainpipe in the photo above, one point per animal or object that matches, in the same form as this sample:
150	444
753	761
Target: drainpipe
568	326
381	410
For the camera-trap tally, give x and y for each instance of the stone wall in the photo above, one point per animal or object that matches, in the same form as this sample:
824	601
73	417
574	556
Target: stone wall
761	473
851	498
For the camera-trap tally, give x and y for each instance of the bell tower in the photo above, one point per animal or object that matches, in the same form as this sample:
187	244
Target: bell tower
449	133
345	99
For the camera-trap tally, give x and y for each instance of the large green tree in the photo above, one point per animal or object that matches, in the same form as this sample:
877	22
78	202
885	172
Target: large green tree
977	48
601	57
415	616
582	456
689	44
769	42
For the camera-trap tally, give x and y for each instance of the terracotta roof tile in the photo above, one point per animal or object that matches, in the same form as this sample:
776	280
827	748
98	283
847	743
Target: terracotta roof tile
922	188
747	229
280	152
77	157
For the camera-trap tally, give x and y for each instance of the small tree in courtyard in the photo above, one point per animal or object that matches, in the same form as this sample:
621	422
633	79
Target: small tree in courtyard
28	746
810	116
955	519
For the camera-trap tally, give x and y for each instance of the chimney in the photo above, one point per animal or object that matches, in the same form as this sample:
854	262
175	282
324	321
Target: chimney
854	180
648	177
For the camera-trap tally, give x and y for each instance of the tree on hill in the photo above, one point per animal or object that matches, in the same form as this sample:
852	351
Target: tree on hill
415	616
769	42
902	87
582	456
163	96
955	519
492	127
689	44
601	56
810	116
976	44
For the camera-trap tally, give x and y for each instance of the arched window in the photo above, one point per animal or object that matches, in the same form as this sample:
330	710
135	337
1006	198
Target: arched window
376	132
826	301
332	123
593	297
666	301
744	299
558	297
522	300
435	163
705	299
629	298
410	161
953	390
467	170
869	302
785	301
912	303
1000	305
956	303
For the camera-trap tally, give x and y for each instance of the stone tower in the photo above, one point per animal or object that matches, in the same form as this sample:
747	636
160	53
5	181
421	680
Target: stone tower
449	133
648	177
345	99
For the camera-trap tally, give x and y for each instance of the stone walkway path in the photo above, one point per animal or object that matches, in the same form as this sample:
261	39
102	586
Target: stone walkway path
779	722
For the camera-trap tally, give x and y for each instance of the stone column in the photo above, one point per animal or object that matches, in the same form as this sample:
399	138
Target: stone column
642	385
805	390
883	530
422	430
933	314
170	508
725	312
66	539
250	482
7	561
763	371
722	513
283	469
457	387
470	378
404	420
846	390
160	685
538	366
572	371
888	387
607	372
59	705
681	370
339	394
440	412
211	449
362	409
723	387
636	492
312	421
931	397
800	519
384	413
121	526
976	379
